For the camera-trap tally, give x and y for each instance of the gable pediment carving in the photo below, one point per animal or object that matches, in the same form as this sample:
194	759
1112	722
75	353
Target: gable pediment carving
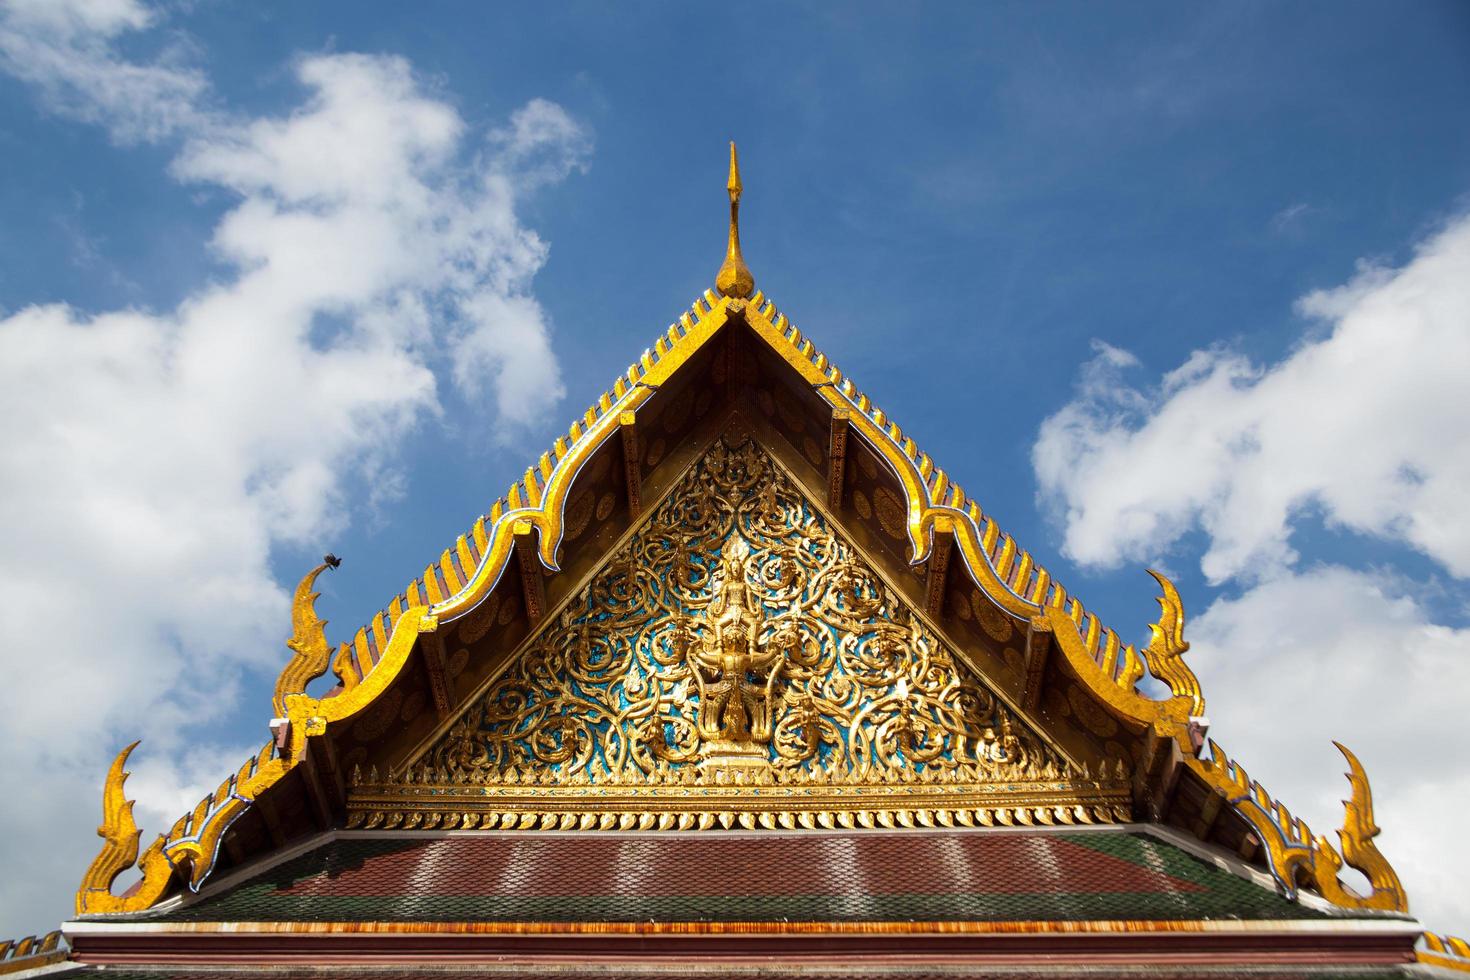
737	660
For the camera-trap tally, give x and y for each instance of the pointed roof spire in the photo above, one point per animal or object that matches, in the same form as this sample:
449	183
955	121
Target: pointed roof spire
734	278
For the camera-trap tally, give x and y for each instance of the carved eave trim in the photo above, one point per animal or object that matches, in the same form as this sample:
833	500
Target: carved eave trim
811	806
837	459
31	953
1445	952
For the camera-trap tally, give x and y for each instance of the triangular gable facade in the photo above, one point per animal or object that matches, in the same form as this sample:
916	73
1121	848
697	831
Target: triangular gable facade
735	662
736	598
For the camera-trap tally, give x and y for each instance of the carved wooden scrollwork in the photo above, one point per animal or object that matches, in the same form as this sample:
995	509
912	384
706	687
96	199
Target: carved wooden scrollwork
736	628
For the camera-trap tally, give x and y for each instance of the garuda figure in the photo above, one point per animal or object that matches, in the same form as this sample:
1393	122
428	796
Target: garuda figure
736	674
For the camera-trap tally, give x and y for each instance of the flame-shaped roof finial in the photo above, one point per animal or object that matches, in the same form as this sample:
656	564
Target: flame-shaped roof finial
734	278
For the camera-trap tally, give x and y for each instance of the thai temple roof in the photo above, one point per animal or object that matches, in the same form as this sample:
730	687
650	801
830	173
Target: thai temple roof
1023	875
736	678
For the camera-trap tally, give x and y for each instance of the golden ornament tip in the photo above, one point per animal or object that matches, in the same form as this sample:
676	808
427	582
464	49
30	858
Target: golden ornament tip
734	278
733	185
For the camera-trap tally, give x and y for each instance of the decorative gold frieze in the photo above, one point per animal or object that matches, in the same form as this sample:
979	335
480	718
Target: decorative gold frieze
731	807
736	631
700	798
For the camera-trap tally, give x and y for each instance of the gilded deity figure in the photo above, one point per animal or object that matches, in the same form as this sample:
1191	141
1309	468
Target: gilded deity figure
735	673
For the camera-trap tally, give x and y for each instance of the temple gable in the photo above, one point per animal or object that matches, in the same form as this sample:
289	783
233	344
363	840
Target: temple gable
736	645
735	595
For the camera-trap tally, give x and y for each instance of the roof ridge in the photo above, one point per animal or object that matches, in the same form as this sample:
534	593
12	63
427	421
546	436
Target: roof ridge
457	565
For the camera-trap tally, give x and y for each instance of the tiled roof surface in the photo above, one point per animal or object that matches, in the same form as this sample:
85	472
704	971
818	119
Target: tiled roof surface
855	876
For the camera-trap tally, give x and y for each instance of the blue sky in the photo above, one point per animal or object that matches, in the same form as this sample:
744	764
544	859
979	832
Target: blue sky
1011	224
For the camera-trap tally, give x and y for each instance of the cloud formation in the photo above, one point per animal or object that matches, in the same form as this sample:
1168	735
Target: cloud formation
65	50
1362	426
1360	422
1332	653
151	453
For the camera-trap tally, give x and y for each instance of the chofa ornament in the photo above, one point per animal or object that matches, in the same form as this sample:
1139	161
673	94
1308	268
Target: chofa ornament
1295	856
120	835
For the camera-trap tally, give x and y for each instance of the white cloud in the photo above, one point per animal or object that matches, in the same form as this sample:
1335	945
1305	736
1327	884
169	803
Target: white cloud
1364	422
1330	653
1291	217
153	459
64	49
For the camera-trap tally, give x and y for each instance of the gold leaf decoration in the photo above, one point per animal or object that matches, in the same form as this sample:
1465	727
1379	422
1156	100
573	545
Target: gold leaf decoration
308	643
120	835
735	630
1358	850
1294	854
1165	652
891	513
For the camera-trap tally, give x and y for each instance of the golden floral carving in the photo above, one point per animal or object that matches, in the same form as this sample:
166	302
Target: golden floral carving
379	718
890	513
474	626
509	609
458	661
736	624
991	619
413	706
1098	721
579	514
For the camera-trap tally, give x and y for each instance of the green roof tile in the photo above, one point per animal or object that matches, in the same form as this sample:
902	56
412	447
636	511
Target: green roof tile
856	876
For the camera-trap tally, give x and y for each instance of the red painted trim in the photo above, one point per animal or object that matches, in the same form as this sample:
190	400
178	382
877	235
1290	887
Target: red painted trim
816	944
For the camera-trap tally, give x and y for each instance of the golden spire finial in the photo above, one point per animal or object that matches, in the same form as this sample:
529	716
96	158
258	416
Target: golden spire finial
734	278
